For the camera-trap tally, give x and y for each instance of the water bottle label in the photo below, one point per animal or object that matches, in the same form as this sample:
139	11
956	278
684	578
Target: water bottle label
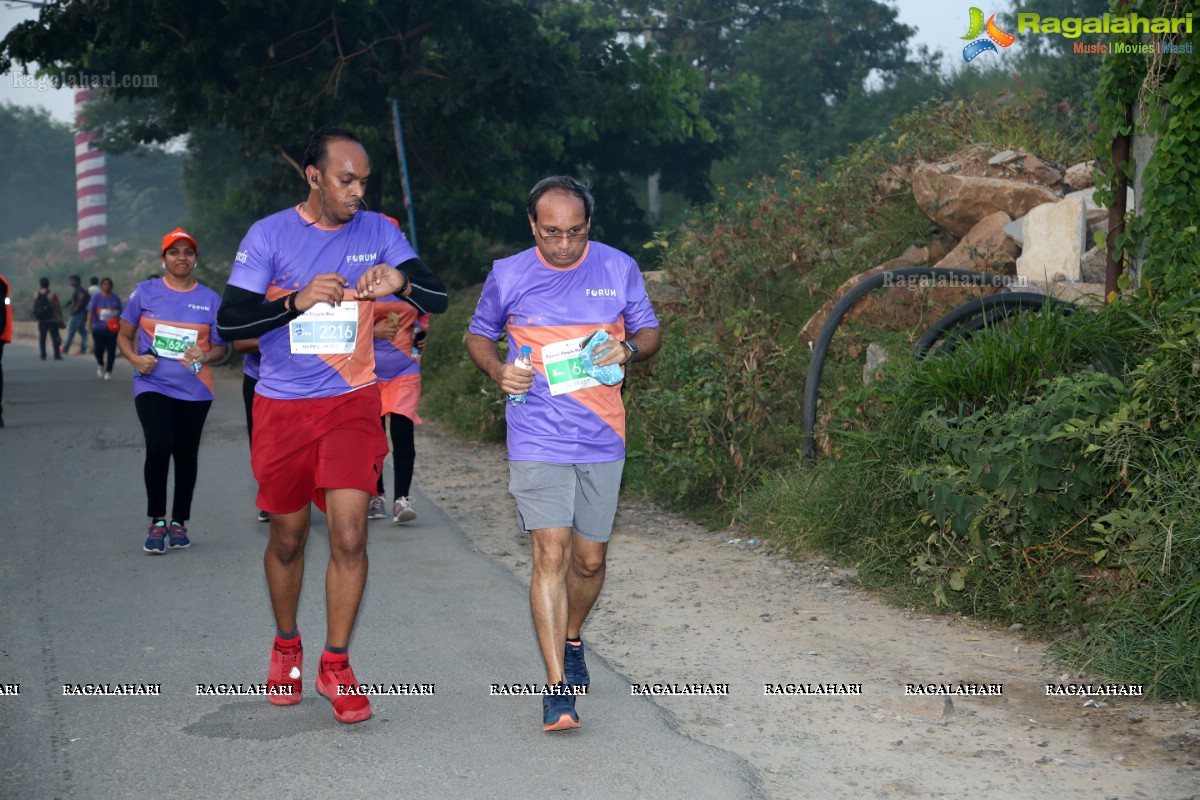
564	371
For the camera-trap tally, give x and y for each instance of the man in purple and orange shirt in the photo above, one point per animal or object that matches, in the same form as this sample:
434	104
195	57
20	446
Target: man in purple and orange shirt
566	443
304	282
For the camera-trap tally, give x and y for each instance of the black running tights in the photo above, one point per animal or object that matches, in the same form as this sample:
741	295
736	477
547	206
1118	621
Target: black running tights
404	453
172	428
104	348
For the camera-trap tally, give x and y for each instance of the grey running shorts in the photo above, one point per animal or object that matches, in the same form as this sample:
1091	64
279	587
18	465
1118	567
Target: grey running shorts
579	496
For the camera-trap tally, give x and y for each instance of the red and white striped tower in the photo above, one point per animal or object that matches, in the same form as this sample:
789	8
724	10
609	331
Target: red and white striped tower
91	185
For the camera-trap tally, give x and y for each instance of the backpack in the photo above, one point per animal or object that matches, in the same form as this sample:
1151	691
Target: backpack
43	311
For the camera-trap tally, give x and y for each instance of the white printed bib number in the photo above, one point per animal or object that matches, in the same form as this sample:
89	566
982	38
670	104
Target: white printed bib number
564	372
170	341
324	329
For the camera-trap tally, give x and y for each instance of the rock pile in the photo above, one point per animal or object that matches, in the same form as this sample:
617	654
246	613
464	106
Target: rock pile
1011	212
1053	217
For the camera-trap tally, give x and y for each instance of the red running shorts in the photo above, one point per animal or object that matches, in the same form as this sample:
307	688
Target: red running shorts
309	445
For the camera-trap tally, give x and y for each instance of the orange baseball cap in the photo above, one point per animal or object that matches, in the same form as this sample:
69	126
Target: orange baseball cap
174	236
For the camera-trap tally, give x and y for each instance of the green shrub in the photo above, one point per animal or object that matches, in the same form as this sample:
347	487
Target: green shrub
712	418
1067	498
453	392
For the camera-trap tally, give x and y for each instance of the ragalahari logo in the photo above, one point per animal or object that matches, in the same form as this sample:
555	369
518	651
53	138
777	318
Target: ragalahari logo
994	34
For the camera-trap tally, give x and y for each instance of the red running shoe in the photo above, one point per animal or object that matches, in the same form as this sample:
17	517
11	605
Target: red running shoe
284	686
336	681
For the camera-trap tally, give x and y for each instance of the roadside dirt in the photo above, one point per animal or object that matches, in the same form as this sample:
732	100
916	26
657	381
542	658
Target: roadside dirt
685	605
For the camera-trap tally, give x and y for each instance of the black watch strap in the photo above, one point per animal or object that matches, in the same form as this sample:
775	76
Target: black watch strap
633	351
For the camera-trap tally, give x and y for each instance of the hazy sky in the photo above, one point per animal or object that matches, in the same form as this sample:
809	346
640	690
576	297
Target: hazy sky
938	24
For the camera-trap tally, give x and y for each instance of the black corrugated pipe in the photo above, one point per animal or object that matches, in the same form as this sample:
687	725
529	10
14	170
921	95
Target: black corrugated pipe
812	381
975	314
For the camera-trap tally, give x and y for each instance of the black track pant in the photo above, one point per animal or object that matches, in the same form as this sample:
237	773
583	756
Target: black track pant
50	328
104	348
404	453
172	428
248	385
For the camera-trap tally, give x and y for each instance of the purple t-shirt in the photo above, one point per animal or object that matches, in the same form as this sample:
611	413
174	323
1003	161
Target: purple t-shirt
282	254
393	357
171	321
251	364
104	307
566	418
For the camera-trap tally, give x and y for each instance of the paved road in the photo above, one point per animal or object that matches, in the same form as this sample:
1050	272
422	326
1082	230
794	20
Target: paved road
81	603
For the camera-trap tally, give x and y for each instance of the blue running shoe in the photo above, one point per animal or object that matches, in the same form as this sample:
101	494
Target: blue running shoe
177	536
558	710
574	669
154	540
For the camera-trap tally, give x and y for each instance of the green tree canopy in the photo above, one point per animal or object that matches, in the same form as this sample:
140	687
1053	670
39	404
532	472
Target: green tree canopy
806	59
37	178
1048	62
778	73
494	94
38	182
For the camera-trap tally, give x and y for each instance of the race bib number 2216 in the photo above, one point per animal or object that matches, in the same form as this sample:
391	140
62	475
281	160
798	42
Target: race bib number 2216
324	329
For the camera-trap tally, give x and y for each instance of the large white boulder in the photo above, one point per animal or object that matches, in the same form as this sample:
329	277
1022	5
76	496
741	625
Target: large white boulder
1054	237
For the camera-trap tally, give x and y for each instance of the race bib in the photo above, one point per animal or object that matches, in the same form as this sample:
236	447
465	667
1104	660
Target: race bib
107	313
325	329
564	371
170	341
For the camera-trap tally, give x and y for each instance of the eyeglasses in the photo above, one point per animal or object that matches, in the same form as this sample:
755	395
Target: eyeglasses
570	235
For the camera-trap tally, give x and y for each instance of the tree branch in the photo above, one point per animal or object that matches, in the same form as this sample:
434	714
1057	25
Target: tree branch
173	30
290	160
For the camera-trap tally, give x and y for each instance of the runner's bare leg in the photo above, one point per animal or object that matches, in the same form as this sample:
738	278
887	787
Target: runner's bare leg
283	563
346	576
585	579
548	596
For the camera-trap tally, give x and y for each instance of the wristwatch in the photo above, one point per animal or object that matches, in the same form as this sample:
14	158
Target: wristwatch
632	350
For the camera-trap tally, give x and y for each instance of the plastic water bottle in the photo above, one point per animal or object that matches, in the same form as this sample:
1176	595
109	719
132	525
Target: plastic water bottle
524	361
416	339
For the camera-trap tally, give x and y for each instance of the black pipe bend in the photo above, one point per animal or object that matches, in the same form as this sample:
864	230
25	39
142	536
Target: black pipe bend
974	314
816	365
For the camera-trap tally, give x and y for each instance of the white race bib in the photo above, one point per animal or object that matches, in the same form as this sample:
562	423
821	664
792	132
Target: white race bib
170	341
564	371
325	329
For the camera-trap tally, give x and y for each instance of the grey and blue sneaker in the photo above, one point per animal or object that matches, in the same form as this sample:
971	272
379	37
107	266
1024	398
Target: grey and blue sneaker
375	509
154	539
558	710
574	669
177	536
263	516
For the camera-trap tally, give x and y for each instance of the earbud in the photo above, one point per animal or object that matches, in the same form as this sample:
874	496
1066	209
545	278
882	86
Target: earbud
313	178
